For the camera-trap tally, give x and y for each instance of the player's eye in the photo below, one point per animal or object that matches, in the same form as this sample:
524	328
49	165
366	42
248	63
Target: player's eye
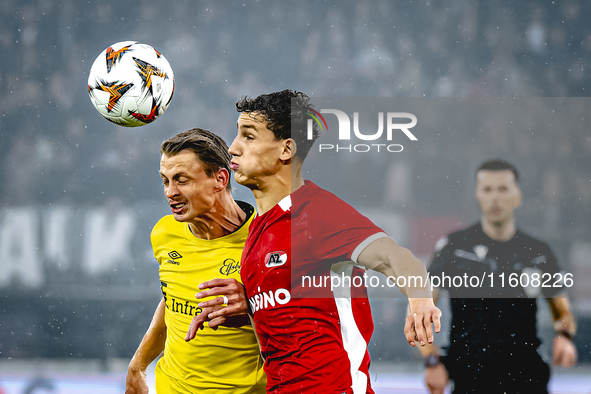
246	135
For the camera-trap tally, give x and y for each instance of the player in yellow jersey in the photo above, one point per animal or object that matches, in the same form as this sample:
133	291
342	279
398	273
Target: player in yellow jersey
200	241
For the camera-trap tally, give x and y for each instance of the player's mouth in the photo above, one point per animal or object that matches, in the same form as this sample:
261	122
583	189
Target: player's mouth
234	166
495	210
177	208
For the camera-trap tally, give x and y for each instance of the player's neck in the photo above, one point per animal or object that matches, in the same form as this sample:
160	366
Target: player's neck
224	218
277	187
499	231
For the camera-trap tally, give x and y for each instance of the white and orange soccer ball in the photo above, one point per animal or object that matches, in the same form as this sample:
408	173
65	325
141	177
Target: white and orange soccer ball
130	84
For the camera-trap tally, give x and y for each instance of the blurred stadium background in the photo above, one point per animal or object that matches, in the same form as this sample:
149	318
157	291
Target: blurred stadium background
78	195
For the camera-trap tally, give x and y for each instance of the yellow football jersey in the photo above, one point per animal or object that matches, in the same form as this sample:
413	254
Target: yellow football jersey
223	361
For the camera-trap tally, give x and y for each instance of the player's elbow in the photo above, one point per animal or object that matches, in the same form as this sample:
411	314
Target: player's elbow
397	260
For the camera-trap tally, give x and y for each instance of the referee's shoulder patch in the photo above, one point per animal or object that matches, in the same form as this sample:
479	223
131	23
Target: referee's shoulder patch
441	243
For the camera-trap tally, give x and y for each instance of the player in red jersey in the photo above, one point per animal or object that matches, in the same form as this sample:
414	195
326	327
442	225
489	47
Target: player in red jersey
314	340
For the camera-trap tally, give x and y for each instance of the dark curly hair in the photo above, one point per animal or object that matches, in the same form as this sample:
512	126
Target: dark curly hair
287	115
211	150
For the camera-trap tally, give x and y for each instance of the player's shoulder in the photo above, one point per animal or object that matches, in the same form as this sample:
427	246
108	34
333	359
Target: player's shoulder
530	241
311	190
166	224
473	231
314	195
459	237
465	234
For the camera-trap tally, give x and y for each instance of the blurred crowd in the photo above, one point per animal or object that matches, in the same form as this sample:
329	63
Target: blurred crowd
54	147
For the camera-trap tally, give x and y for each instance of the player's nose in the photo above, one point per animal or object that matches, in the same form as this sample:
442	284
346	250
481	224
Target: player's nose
171	190
233	150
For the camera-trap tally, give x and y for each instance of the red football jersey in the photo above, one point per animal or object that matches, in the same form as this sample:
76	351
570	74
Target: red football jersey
314	339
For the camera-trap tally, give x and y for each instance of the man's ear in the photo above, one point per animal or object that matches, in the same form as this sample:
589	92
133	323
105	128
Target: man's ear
519	198
222	178
289	150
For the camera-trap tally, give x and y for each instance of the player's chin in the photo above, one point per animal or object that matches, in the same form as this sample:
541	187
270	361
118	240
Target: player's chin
240	178
180	216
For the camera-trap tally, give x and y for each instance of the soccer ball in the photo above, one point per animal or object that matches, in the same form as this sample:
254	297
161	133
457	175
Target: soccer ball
130	84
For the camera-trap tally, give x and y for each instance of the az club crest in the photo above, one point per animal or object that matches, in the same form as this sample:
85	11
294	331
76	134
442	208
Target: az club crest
275	259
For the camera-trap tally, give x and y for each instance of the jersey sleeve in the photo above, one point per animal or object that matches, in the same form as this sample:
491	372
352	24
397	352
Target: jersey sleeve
546	261
337	230
157	237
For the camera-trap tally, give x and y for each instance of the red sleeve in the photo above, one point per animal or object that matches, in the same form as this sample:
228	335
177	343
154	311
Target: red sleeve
336	229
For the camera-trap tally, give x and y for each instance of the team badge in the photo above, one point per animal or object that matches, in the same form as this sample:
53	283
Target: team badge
275	259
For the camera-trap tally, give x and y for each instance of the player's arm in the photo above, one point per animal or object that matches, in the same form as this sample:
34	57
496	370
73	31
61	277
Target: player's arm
151	346
564	351
386	256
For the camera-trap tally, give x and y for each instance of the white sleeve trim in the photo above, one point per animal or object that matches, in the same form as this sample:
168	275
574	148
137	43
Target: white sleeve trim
365	244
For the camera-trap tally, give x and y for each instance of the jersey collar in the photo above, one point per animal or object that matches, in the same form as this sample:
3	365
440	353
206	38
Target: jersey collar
285	204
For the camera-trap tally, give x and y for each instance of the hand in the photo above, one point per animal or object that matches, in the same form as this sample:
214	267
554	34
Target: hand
232	315
436	379
423	312
564	352
226	321
231	288
135	382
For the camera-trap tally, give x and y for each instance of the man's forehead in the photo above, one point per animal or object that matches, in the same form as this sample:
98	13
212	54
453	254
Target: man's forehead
182	160
252	118
487	176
